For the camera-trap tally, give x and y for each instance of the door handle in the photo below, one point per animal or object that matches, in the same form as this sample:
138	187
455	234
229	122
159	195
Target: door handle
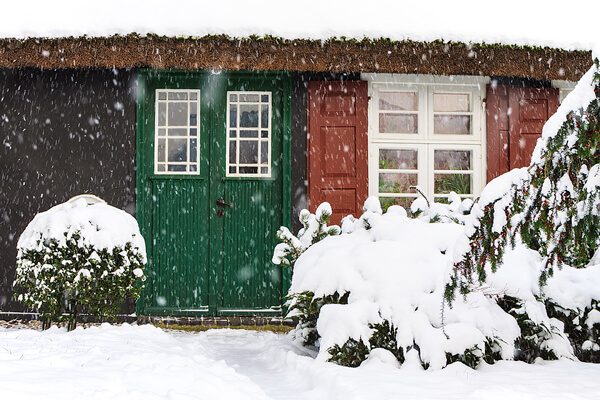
222	203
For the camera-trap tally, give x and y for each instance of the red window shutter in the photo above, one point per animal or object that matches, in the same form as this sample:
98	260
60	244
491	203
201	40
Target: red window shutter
529	108
338	147
497	130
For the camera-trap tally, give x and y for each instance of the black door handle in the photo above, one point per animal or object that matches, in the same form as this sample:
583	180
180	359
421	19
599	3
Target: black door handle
222	203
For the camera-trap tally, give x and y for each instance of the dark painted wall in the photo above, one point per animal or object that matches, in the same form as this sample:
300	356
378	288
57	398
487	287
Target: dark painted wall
62	133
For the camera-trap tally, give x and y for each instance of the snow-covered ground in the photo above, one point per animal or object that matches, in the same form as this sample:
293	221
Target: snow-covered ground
144	362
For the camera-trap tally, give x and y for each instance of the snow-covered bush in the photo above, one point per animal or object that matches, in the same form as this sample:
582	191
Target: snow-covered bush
314	229
79	257
553	209
380	284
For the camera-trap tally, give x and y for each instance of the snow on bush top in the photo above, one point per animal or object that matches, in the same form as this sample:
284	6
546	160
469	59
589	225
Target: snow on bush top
100	225
459	20
397	271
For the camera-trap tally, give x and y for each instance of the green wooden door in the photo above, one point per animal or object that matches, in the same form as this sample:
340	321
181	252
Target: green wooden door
213	188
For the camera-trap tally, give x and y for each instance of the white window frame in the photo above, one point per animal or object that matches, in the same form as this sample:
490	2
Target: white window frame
188	164
259	166
425	140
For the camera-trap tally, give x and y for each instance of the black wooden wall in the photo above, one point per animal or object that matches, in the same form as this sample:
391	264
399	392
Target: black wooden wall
62	133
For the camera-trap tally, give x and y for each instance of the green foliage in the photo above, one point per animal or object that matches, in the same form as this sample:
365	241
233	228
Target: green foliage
556	211
64	280
353	353
531	344
583	334
313	231
306	308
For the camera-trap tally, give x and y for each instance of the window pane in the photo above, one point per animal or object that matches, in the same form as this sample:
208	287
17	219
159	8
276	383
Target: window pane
162	132
248	115
248	170
248	152
232	115
178	95
264	116
233	97
162	96
178	132
193	114
264	170
250	98
176	168
398	159
233	170
177	150
193	150
397	183
178	114
264	98
161	150
232	152
407	101
446	183
162	113
161	167
249	134
452	160
452	124
264	152
398	123
193	96
405	202
451	102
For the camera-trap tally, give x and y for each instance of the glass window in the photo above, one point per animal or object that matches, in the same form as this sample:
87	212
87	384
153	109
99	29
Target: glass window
177	125
398	112
249	134
426	133
451	114
398	175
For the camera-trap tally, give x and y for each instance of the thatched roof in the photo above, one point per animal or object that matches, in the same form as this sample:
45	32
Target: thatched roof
221	52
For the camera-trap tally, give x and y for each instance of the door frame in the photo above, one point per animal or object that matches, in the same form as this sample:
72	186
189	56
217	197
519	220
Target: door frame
145	157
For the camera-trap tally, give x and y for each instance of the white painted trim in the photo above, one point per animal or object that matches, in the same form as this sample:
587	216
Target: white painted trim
425	141
564	88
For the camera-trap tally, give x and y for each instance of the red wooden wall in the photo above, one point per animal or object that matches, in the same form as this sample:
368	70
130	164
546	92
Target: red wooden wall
338	146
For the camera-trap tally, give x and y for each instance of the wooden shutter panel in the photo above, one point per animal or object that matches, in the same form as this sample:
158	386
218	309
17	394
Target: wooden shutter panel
530	108
338	147
515	118
497	130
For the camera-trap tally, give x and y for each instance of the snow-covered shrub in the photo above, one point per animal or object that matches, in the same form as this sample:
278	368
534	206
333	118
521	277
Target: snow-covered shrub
380	285
79	257
552	209
314	230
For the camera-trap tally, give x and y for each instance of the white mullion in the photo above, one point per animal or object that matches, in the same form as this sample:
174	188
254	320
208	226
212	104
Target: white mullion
237	134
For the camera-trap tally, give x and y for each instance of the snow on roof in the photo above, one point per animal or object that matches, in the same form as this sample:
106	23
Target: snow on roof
532	23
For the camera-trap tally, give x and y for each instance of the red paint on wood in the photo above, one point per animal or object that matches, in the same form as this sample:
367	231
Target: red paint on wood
497	130
337	147
530	109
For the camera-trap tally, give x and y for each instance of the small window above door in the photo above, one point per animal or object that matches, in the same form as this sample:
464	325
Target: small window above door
177	132
248	134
